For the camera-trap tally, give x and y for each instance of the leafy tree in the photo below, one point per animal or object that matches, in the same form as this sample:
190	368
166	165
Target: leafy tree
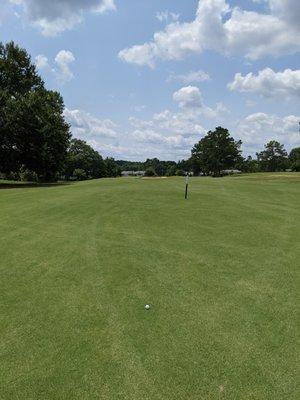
180	172
33	132
130	165
150	172
80	174
112	168
294	158
273	158
26	175
185	165
215	152
83	157
247	164
171	171
18	75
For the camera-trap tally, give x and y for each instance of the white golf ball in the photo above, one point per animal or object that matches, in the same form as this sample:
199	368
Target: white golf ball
147	307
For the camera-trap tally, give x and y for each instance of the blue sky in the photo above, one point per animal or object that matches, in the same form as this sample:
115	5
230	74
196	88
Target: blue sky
146	78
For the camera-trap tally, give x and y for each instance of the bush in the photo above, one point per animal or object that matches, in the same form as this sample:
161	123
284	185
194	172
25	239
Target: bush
26	175
171	171
80	174
180	172
150	172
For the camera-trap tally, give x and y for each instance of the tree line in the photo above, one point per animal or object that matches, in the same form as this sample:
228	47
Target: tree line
36	143
218	152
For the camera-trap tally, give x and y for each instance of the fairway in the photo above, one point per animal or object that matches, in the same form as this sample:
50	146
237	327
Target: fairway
79	262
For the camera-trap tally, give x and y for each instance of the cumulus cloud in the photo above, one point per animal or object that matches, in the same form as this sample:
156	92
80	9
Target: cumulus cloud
86	126
63	60
288	10
190	77
41	62
188	97
55	16
166	16
269	83
258	128
61	66
170	134
230	31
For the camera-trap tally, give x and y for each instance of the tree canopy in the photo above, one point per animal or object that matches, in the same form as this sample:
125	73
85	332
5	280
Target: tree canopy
215	152
273	157
294	158
33	132
81	156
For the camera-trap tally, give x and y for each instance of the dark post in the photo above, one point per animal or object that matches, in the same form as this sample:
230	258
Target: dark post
186	186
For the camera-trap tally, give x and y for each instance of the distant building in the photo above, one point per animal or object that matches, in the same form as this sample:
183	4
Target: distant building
231	171
133	173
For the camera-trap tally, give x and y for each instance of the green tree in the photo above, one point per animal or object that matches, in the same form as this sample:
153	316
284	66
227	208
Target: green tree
150	171
215	152
294	158
247	164
81	156
33	132
273	158
171	171
112	168
80	174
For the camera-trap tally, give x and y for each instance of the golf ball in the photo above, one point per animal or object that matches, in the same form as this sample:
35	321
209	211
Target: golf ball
147	306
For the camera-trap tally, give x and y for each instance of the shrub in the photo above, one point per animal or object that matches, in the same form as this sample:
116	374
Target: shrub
150	172
80	174
26	175
180	172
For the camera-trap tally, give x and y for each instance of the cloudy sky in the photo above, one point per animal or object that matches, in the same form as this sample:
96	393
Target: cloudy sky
146	78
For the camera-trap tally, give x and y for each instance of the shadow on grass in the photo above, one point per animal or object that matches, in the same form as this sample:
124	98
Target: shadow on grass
23	185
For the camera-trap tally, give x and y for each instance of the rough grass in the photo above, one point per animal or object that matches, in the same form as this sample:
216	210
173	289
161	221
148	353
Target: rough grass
79	262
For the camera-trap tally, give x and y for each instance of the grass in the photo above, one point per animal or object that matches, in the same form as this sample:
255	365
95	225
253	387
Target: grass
79	262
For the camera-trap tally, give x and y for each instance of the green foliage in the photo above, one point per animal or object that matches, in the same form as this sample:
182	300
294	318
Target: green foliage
215	152
112	168
26	175
180	172
130	165
160	167
33	132
273	158
18	75
171	171
294	158
81	156
150	171
80	174
247	165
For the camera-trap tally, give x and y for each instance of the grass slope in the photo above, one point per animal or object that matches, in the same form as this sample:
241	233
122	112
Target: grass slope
79	262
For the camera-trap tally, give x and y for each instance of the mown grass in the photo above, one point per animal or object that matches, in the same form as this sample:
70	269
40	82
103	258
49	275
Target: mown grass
220	270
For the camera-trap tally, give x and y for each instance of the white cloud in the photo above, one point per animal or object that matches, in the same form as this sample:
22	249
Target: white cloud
257	129
190	77
269	83
63	60
188	97
86	126
41	62
55	16
166	16
289	10
229	31
61	68
171	135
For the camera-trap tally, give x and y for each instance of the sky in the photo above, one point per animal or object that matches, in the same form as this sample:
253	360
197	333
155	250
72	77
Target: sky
149	78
